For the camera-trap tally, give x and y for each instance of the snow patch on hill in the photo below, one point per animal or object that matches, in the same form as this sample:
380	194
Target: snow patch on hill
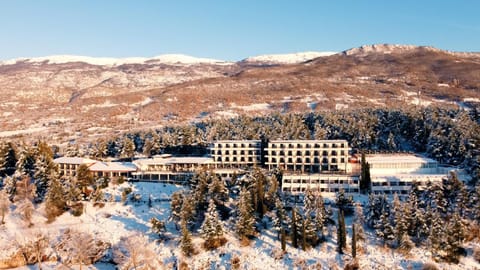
291	58
109	61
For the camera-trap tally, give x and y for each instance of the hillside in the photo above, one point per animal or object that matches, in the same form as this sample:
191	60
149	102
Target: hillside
76	98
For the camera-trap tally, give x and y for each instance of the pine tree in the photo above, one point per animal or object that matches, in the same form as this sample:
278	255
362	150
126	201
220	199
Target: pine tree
26	161
84	177
128	148
341	233
455	235
383	227
55	203
245	225
186	239
211	229
321	217
217	190
44	168
294	229
365	179
399	221
8	159
354	242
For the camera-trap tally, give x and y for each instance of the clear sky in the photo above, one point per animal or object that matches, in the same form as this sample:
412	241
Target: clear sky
228	29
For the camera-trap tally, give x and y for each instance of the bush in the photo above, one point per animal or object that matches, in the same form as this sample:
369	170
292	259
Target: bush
235	263
429	266
476	254
353	265
77	209
183	266
214	243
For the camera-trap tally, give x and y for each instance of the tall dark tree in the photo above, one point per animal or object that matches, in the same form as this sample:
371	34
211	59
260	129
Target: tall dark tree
365	179
341	232
8	159
354	242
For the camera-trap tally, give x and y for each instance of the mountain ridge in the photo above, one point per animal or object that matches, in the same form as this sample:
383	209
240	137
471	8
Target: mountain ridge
77	100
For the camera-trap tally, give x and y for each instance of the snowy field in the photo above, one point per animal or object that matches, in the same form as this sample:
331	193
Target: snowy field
117	220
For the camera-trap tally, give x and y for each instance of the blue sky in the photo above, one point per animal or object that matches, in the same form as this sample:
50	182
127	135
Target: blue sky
230	30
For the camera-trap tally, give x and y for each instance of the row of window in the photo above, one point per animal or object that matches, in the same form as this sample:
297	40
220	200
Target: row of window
236	159
321	181
306	153
303	189
307	145
237	145
305	160
236	152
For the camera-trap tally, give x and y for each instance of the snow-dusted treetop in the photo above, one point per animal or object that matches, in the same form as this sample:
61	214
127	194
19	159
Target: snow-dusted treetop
290	58
108	61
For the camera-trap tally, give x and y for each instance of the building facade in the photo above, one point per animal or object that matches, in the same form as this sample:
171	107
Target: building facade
308	156
236	153
324	183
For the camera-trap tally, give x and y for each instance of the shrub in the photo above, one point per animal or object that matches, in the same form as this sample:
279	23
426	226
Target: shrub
429	266
77	209
214	243
476	254
353	265
183	266
235	262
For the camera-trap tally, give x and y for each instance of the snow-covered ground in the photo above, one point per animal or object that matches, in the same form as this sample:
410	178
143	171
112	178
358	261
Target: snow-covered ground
116	220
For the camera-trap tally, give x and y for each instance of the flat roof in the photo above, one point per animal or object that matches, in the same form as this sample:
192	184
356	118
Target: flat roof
174	160
74	160
397	158
113	167
307	141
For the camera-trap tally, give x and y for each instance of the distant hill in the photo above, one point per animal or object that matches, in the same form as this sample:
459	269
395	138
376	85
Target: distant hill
72	97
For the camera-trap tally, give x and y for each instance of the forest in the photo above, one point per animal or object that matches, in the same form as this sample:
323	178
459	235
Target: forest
439	218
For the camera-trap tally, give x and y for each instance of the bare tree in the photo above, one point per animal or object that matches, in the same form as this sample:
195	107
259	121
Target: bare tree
25	192
4	205
33	245
79	247
136	252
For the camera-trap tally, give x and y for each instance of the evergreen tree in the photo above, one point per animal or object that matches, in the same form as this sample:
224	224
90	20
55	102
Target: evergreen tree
55	203
383	227
186	239
211	229
259	192
245	225
341	233
321	217
217	190
84	177
128	148
26	161
343	202
44	169
455	235
8	159
365	179
354	242
294	228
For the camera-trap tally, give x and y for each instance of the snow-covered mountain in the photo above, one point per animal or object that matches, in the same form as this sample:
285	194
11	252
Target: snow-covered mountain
171	59
290	58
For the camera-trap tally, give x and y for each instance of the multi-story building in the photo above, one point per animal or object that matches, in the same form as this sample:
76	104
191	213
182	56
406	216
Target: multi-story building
308	156
236	153
395	173
68	166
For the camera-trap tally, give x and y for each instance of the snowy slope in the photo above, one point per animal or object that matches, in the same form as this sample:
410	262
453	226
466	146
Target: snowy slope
291	58
107	61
